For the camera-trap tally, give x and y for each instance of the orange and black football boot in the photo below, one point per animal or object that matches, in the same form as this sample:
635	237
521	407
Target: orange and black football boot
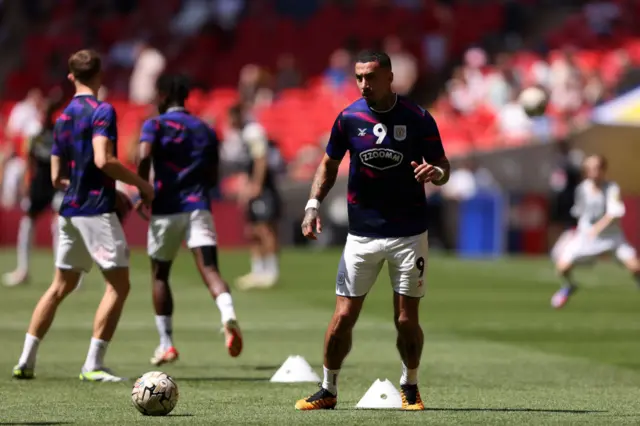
411	400
321	400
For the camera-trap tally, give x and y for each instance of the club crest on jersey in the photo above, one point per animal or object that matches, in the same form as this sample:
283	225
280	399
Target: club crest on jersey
381	158
399	133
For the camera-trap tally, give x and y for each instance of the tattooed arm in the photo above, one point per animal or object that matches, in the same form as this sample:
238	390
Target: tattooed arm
325	178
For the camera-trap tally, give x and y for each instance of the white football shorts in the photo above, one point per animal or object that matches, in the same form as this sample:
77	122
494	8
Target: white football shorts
167	232
581	248
83	240
363	257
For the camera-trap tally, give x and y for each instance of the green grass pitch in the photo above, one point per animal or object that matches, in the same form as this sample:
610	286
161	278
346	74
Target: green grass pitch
495	352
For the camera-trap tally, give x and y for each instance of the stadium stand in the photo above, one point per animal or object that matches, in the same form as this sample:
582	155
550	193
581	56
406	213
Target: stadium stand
298	117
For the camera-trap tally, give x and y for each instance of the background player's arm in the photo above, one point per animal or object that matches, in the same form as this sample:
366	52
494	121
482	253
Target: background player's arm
258	145
614	211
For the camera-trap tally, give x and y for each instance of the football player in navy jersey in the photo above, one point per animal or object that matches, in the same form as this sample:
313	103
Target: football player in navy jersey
84	165
183	151
394	148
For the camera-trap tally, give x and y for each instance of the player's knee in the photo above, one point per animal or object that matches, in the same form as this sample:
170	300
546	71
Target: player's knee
118	283
406	324
64	282
563	266
343	321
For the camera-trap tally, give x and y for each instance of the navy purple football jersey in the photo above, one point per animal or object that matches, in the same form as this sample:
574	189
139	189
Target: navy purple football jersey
384	198
184	152
91	192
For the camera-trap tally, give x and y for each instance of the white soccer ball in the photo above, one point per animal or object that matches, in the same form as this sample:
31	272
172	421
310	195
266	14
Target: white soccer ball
155	394
534	101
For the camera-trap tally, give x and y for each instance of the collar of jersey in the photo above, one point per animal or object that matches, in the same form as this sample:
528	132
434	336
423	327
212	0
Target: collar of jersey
79	95
387	110
175	109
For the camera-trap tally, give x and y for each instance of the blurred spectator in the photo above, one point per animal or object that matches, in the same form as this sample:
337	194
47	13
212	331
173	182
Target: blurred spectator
565	84
24	119
150	63
226	13
459	91
500	84
601	15
339	69
287	75
193	15
514	124
404	65
254	86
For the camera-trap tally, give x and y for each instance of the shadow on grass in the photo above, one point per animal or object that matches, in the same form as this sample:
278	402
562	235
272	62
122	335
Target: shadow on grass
36	423
222	379
494	410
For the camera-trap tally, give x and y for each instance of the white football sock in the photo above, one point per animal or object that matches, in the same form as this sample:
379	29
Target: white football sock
164	324
257	265
29	351
271	265
330	381
409	376
25	235
225	304
95	356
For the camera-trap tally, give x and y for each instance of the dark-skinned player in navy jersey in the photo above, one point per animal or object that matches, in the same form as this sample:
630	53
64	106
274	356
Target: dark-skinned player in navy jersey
84	164
183	151
394	148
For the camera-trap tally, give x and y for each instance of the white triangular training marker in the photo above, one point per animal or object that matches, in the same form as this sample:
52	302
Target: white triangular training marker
295	369
381	394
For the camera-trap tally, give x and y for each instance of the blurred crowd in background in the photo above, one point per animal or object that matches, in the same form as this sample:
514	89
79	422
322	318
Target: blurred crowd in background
291	61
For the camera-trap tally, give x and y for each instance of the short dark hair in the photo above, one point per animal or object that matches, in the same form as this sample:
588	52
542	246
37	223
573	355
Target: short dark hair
84	65
175	87
374	56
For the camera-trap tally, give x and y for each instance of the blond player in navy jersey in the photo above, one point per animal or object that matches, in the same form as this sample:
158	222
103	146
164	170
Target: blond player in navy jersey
183	151
84	164
395	148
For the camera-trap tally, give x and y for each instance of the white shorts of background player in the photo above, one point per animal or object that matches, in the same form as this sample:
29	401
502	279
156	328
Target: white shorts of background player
363	257
583	248
167	232
83	240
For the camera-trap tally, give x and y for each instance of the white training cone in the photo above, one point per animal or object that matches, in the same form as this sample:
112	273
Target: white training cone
295	369
381	394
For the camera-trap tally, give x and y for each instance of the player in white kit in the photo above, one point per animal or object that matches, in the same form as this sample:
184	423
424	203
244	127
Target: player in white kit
599	207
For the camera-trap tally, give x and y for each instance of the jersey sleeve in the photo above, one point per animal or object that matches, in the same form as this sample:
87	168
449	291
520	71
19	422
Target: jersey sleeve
432	143
615	205
104	121
256	137
149	131
338	143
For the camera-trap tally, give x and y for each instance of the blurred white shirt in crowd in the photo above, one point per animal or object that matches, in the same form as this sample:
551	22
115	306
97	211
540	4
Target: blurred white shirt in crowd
149	65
